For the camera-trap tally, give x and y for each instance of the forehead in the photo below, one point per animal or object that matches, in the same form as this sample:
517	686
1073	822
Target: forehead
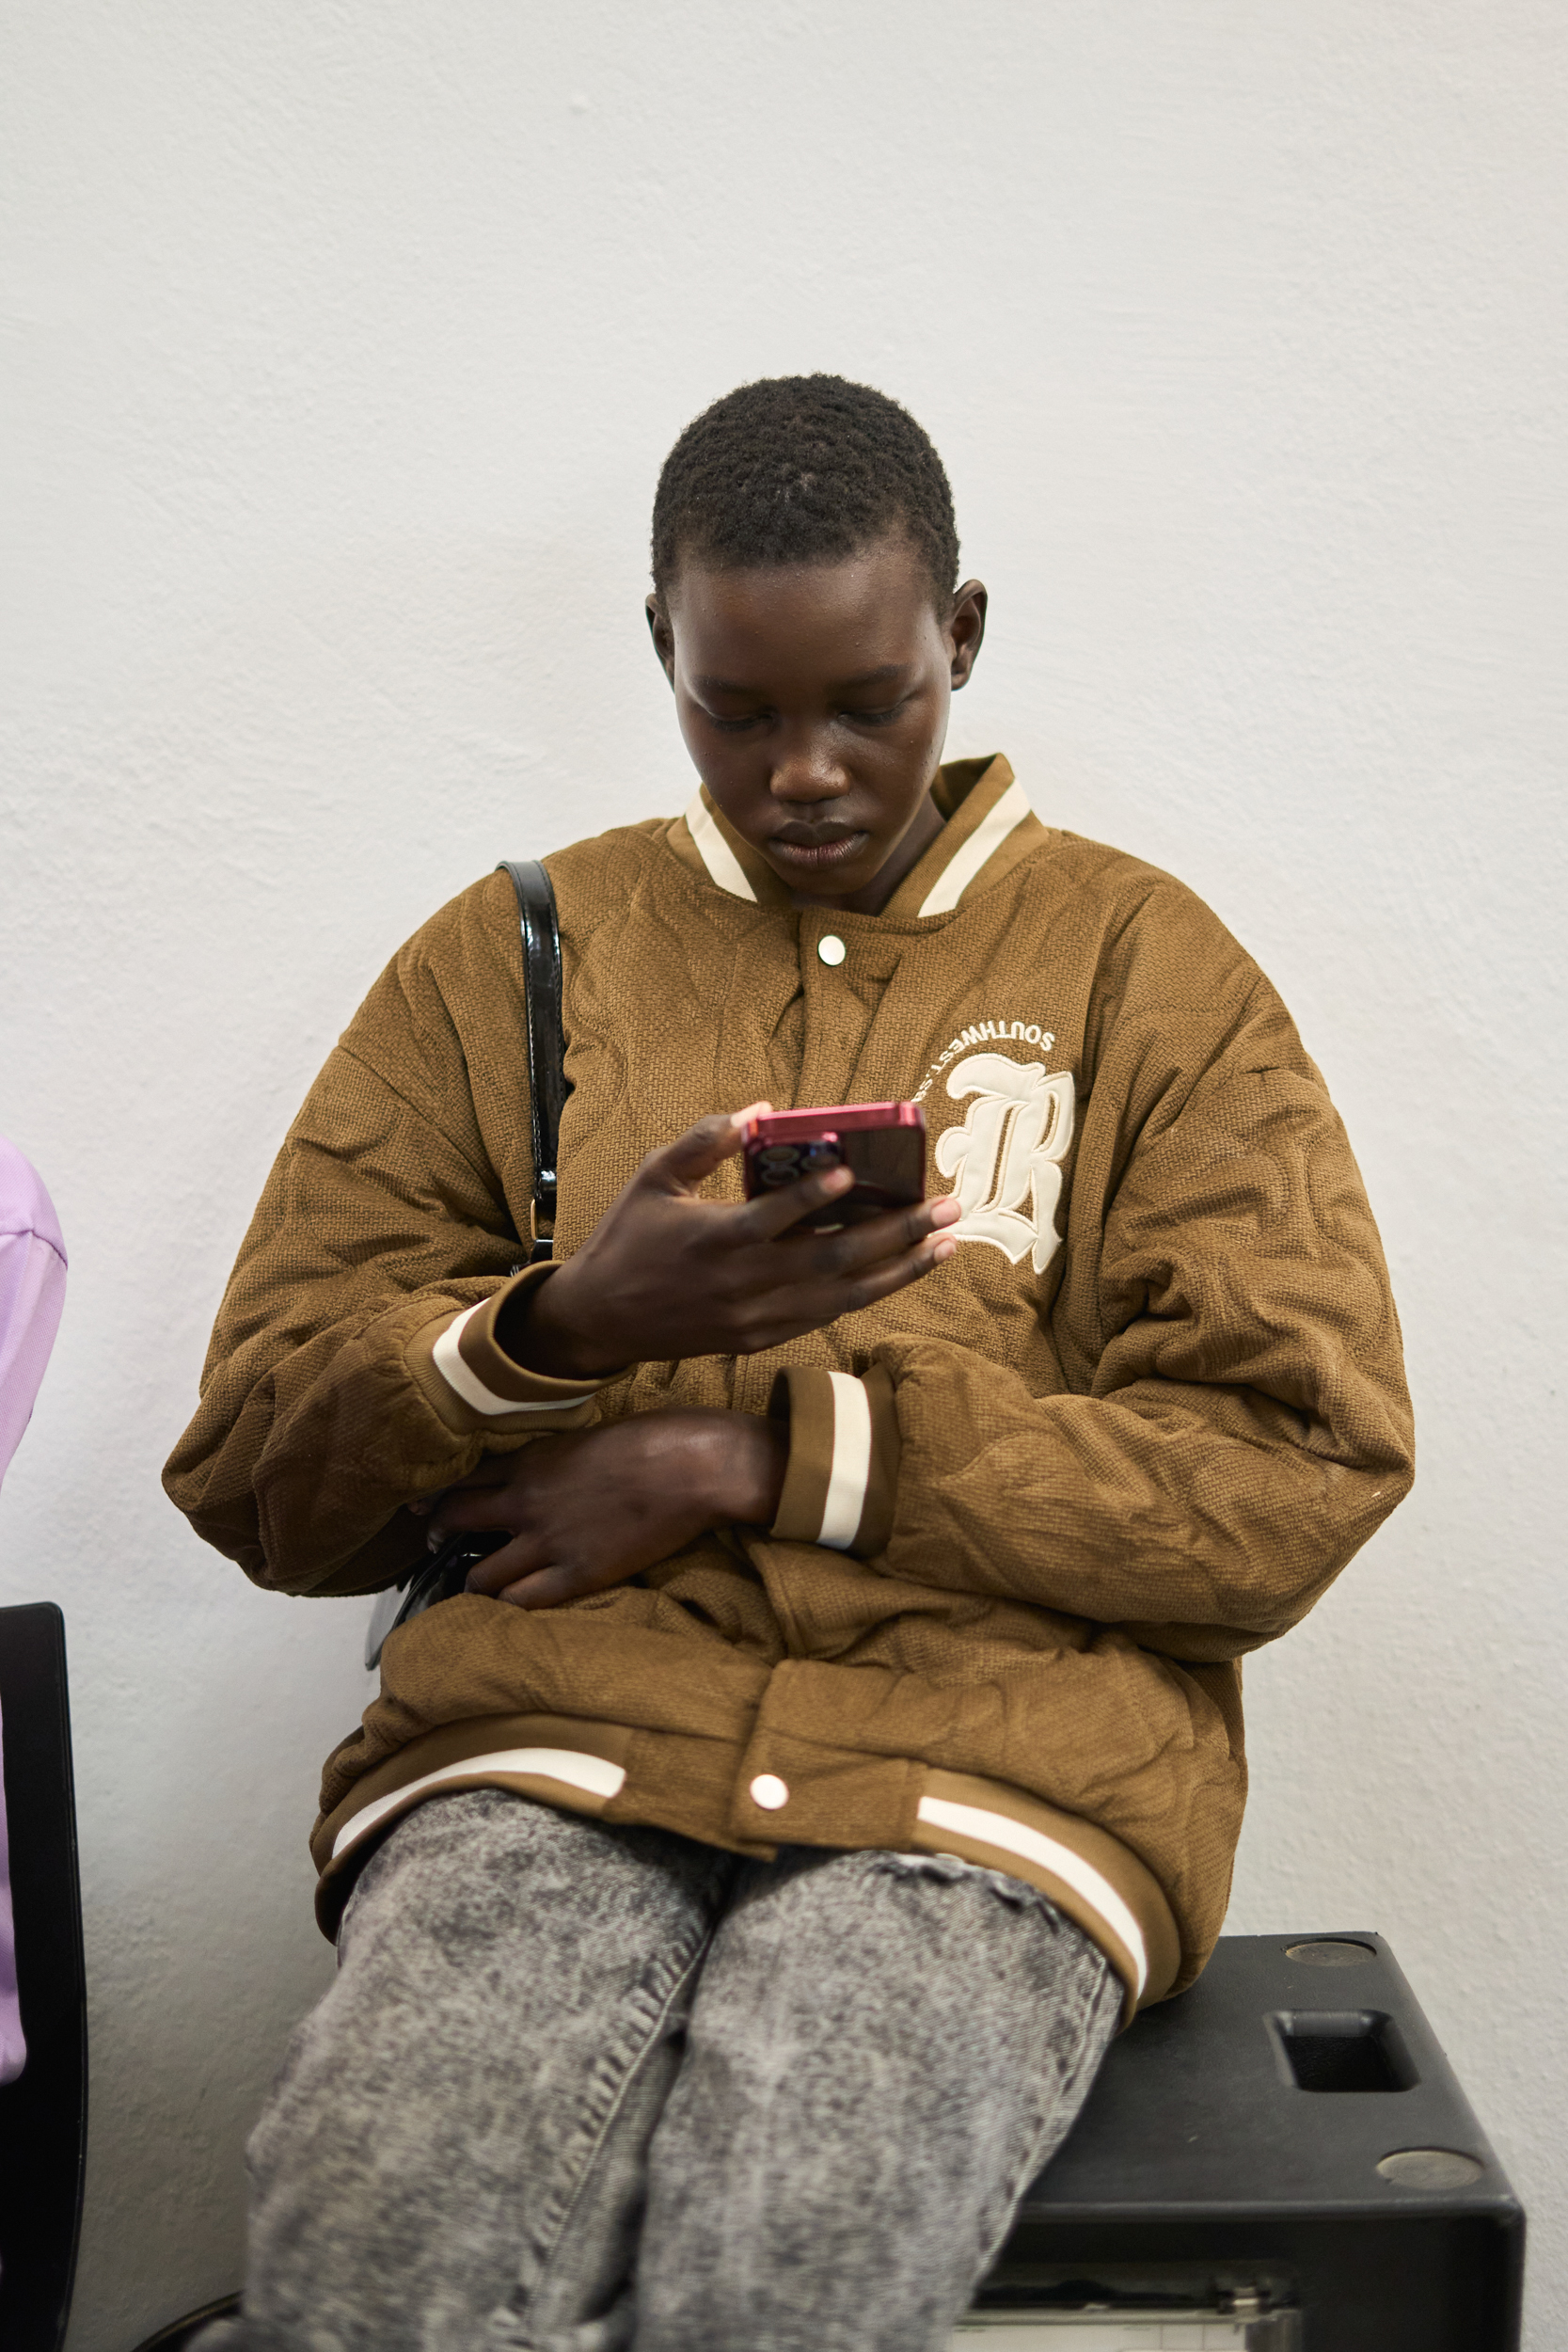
870	611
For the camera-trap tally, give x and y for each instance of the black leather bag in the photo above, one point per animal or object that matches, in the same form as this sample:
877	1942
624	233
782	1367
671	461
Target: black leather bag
446	1571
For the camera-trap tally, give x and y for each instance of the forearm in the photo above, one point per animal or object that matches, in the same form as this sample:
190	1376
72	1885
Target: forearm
1208	1518
303	1456
1204	1520
728	1467
586	1511
1241	1424
547	1330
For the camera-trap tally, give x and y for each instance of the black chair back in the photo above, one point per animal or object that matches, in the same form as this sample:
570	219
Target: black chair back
43	2113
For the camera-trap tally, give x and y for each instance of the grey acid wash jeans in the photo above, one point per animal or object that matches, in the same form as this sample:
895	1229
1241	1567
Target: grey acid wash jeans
580	2090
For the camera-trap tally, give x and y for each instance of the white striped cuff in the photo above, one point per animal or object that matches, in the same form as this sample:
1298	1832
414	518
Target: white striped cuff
841	1481
849	1471
447	1356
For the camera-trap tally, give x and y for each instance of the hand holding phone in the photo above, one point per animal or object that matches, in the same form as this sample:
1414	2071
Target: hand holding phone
669	1273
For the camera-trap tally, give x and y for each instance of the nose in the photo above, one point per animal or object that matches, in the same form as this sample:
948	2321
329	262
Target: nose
806	770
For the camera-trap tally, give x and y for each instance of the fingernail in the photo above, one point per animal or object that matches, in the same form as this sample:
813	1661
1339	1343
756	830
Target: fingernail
946	1213
944	1250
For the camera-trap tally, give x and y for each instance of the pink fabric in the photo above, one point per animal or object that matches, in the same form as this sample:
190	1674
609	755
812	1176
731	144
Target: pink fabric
32	1292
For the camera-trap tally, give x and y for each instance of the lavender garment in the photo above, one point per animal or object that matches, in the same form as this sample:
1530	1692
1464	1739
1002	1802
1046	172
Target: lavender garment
32	1291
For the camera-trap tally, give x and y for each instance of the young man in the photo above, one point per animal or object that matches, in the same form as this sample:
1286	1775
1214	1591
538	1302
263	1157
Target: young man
736	1889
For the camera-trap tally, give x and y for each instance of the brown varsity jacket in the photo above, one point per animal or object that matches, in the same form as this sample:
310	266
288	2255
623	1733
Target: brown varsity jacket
1036	1507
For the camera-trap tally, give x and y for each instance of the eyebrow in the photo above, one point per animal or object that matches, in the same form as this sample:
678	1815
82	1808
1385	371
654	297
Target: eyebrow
883	676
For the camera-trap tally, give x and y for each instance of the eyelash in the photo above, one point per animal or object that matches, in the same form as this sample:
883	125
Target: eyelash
859	718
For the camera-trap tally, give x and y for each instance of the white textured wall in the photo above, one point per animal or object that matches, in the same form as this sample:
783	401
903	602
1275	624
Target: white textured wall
343	342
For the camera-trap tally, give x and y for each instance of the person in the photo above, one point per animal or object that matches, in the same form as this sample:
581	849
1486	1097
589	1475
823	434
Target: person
736	1887
32	1293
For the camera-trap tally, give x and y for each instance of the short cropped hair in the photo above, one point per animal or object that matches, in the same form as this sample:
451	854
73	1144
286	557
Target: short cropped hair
802	470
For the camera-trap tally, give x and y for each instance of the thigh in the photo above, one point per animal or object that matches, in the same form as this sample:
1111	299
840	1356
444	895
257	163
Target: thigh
458	2132
881	2052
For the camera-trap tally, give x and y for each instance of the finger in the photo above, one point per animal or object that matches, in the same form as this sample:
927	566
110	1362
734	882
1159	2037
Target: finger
547	1587
703	1148
475	1508
793	1310
864	1288
869	1240
490	1576
773	1213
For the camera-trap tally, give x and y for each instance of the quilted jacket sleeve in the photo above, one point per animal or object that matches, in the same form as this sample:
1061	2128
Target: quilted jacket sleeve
1243	1425
354	1366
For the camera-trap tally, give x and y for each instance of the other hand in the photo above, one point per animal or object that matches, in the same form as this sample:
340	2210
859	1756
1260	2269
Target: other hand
592	1507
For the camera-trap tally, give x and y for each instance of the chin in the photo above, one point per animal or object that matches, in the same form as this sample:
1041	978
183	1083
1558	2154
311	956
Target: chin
842	884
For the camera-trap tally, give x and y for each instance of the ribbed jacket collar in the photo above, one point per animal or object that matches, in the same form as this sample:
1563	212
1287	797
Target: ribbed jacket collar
990	826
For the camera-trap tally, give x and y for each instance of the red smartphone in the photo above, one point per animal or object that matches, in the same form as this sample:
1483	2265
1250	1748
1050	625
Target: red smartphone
883	1143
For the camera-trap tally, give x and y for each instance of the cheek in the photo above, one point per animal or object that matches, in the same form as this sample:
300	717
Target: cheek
710	753
684	719
732	770
915	740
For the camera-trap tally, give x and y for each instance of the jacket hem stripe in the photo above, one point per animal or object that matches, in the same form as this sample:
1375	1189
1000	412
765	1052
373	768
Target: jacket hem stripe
613	1772
1046	1854
594	1775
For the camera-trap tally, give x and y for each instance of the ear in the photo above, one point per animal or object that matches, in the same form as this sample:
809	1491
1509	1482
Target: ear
966	629
663	636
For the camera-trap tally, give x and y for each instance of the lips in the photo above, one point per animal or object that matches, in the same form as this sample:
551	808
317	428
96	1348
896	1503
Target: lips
815	846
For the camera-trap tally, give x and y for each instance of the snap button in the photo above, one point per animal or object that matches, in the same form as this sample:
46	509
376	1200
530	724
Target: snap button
831	949
770	1791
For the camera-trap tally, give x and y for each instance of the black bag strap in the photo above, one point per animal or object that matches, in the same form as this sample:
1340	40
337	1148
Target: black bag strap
442	1575
547	1039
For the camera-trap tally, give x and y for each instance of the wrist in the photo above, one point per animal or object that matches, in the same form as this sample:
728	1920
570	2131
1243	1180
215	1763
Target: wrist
751	1457
540	1328
734	1467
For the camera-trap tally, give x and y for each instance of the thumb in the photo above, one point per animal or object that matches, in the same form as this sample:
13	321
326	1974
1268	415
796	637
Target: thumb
682	1166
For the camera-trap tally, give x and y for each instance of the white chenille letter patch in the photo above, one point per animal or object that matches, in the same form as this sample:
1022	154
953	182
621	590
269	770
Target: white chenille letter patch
1009	1150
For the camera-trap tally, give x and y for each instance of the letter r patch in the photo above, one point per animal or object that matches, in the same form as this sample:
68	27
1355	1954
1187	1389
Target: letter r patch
1008	1151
